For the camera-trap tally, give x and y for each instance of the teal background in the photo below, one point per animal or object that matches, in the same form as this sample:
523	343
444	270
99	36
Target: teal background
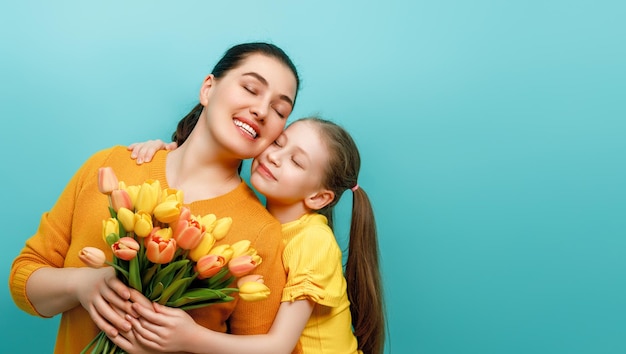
492	135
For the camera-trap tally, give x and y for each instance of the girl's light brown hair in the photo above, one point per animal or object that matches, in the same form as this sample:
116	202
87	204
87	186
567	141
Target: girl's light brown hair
362	268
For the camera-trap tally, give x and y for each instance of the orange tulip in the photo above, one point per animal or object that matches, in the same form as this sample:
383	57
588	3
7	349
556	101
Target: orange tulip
159	250
209	265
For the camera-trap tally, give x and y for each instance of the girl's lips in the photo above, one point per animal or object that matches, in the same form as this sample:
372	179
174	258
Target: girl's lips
263	170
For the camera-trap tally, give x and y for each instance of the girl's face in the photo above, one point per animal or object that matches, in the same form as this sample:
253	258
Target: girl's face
292	168
246	109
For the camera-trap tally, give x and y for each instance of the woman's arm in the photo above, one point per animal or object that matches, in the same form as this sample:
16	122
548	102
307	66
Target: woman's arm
55	290
166	329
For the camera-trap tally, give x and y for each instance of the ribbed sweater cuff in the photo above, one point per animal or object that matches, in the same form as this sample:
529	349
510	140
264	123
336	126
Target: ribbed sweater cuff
20	277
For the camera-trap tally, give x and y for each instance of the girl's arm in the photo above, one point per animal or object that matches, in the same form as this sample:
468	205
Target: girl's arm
143	152
166	329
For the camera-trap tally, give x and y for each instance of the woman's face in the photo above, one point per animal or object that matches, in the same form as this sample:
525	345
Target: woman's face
293	167
248	107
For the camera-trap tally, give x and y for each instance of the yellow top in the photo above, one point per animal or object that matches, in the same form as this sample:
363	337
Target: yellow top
312	261
75	221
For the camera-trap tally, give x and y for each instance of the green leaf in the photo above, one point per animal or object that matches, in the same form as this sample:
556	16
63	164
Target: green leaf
166	274
147	275
158	290
180	284
198	295
134	276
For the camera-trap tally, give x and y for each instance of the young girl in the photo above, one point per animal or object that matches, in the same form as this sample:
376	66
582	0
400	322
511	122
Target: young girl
302	175
244	105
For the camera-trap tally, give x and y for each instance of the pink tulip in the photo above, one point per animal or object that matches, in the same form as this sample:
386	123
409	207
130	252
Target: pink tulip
159	250
121	199
92	257
209	265
107	181
126	248
241	265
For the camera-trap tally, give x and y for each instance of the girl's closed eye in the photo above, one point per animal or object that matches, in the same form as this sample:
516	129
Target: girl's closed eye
250	89
297	163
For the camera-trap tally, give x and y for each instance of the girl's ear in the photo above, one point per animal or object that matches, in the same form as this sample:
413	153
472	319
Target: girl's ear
317	201
205	89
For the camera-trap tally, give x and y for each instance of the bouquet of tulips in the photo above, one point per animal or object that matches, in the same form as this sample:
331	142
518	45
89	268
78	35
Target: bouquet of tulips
167	254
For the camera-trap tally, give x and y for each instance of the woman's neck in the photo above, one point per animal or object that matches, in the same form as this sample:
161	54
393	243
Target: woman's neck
200	171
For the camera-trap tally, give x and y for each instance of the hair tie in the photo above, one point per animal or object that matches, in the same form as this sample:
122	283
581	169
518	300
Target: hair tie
356	186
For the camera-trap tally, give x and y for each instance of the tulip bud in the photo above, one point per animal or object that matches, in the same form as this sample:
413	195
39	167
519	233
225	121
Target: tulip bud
221	227
148	196
164	233
240	248
208	221
158	250
167	211
132	191
242	265
120	199
224	251
126	248
253	291
188	233
110	226
203	248
250	278
107	181
92	257
127	218
209	265
143	224
172	194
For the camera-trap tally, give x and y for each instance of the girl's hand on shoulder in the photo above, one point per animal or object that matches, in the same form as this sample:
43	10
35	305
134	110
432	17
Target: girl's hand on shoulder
144	151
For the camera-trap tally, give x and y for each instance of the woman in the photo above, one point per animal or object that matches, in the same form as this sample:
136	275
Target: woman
244	105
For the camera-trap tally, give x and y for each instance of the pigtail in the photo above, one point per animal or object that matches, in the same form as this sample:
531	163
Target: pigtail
363	277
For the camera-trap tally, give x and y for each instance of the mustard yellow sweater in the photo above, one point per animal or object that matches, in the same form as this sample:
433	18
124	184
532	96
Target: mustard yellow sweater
75	221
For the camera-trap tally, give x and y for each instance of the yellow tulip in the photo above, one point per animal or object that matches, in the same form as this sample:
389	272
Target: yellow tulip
110	226
224	251
132	191
143	224
148	196
127	218
253	291
222	226
240	248
208	221
203	248
167	211
172	194
164	233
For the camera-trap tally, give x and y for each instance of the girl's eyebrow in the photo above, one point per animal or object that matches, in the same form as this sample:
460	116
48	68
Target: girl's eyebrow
264	82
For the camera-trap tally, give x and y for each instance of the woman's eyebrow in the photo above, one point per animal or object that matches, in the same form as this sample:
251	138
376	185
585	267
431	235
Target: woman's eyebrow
264	82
